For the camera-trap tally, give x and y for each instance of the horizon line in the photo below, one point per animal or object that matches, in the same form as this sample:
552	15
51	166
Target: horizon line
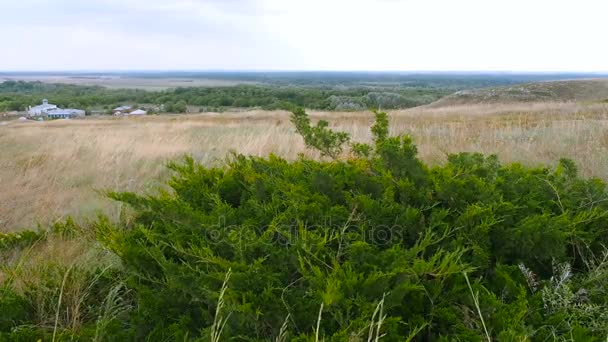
305	71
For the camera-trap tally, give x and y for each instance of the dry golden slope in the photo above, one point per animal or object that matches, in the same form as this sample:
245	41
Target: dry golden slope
52	169
563	91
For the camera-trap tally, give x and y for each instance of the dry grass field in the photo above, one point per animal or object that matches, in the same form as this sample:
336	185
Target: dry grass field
580	90
49	170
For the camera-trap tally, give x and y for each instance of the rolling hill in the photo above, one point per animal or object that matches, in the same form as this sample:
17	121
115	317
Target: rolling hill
550	91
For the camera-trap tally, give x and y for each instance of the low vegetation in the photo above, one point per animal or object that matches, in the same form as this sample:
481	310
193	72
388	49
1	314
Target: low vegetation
321	91
366	243
18	95
593	90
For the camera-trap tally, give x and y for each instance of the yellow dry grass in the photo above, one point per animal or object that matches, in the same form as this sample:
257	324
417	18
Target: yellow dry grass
52	169
52	266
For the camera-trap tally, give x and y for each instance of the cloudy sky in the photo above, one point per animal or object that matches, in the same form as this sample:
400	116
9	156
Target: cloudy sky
517	35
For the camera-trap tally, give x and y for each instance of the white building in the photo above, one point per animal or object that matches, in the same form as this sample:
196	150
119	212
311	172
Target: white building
41	109
138	112
122	108
64	113
51	111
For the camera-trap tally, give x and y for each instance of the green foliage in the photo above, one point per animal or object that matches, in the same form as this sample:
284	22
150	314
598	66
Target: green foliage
380	127
66	229
323	243
13	309
56	303
324	91
179	107
26	238
379	245
320	137
18	95
20	239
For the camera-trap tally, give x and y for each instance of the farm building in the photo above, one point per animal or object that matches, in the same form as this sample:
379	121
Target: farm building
138	112
51	111
122	110
41	109
64	113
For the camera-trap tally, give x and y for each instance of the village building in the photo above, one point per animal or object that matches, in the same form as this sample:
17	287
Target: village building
122	110
138	112
128	110
65	113
41	110
51	111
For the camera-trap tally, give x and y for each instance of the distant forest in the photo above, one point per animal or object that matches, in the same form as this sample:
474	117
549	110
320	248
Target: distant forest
18	95
314	90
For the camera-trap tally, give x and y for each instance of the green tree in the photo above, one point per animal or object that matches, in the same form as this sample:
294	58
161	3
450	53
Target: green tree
180	107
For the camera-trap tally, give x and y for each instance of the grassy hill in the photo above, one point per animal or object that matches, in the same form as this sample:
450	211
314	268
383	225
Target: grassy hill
552	91
375	243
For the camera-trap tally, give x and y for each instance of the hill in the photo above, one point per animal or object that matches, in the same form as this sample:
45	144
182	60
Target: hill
550	91
265	248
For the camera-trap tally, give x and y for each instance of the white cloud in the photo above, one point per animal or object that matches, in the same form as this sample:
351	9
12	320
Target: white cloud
304	34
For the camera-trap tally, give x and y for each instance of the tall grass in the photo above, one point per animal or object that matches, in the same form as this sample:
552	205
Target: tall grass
53	169
219	322
58	276
49	170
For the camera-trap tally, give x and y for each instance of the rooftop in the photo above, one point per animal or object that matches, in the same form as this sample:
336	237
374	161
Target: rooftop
68	111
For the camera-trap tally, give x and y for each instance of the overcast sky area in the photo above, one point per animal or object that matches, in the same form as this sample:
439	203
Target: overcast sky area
398	35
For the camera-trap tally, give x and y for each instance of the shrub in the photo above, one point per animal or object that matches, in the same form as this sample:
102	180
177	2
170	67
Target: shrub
346	103
13	309
377	244
320	137
20	239
388	100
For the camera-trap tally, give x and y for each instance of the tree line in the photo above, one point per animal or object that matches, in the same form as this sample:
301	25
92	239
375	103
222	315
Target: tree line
18	95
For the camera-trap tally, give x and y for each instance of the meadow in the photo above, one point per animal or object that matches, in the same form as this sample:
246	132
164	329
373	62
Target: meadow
392	240
51	170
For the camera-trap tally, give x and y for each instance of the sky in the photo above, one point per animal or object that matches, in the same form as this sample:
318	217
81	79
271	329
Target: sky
378	35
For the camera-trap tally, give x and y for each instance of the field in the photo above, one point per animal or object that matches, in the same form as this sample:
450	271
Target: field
49	170
120	82
565	90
